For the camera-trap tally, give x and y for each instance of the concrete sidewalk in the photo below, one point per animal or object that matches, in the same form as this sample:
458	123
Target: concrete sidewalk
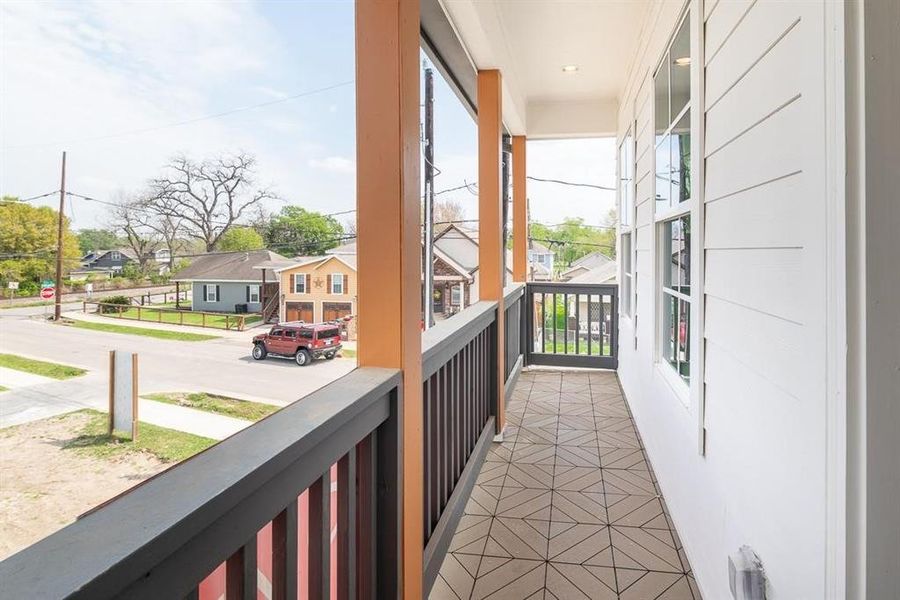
43	398
13	379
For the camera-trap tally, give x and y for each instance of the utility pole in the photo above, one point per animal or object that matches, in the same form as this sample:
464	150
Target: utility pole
428	287
57	307
530	241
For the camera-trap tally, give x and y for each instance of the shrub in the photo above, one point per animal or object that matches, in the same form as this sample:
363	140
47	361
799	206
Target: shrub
120	300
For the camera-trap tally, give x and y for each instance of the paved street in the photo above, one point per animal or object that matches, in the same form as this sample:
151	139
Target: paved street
221	366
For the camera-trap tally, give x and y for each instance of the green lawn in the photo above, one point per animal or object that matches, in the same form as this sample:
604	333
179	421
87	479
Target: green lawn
39	367
162	334
348	353
182	317
3	389
221	405
562	348
167	445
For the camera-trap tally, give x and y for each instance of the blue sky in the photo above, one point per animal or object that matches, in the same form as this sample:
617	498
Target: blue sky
105	81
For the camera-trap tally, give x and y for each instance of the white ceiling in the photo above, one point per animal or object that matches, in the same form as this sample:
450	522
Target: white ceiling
531	40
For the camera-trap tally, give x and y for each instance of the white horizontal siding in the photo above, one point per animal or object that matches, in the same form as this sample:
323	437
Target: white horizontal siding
763	268
765	216
769	280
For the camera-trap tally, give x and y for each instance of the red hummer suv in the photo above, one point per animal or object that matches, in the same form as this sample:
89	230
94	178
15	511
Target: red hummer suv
300	341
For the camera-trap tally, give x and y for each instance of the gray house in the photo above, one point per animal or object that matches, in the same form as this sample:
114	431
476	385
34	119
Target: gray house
108	260
225	281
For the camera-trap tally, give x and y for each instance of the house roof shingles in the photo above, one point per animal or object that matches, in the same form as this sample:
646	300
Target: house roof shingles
227	266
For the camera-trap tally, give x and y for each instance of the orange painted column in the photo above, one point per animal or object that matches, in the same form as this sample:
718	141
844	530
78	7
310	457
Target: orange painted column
389	249
490	211
520	210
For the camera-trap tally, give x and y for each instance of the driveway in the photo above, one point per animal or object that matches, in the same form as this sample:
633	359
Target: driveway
220	366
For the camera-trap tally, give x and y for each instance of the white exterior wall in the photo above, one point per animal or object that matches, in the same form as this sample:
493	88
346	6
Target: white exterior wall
761	261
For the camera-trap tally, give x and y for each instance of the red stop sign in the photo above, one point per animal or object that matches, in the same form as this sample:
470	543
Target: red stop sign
47	293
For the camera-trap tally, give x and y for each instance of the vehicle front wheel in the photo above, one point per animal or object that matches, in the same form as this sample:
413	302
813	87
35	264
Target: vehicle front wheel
302	357
259	352
329	355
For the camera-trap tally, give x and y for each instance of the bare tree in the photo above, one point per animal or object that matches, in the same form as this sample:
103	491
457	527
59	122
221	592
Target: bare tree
448	211
208	197
126	219
169	230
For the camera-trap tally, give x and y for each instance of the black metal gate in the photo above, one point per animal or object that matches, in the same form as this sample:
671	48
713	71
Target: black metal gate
572	325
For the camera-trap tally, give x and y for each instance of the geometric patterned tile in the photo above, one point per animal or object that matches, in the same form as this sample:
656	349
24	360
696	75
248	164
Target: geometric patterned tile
568	581
525	503
568	505
578	456
537	476
623	458
517	538
579	479
625	481
580	543
635	511
576	437
578	507
642	585
502	578
483	500
648	549
534	454
492	473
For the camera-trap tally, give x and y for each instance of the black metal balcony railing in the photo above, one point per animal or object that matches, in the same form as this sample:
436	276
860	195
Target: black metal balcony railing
572	325
162	538
236	504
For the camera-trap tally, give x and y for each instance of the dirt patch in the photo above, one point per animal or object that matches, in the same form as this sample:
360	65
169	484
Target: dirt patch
43	487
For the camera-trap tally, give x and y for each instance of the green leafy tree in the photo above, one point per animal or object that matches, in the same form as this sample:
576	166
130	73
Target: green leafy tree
241	238
97	239
28	243
298	231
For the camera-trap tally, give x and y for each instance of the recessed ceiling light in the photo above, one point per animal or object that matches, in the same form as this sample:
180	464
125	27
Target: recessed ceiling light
683	61
569	68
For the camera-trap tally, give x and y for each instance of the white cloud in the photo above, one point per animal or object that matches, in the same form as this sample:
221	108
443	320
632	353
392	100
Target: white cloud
333	164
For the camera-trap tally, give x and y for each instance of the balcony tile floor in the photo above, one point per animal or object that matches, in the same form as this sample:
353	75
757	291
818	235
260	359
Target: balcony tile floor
567	507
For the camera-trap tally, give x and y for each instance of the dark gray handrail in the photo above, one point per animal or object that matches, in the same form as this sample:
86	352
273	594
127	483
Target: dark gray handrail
513	292
562	287
161	538
445	339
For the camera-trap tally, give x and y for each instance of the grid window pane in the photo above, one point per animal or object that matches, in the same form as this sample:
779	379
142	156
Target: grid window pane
684	339
681	159
670	318
661	102
663	173
684	262
680	68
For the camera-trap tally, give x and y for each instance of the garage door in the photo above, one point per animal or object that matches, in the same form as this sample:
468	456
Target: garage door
299	311
332	311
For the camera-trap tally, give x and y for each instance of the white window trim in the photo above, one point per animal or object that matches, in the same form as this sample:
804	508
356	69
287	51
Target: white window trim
335	277
254	291
207	287
298	277
683	390
631	228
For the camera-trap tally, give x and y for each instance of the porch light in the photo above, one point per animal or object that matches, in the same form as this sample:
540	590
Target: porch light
569	68
683	61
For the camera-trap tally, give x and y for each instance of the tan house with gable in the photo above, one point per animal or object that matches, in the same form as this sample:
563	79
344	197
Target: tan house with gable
318	288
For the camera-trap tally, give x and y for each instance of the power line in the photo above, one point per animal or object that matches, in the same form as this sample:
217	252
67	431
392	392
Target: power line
14	199
572	183
186	121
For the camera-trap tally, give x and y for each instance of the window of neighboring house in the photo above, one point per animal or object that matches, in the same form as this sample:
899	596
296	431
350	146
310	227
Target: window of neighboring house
454	296
673	206
211	292
337	283
114	255
253	293
300	283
